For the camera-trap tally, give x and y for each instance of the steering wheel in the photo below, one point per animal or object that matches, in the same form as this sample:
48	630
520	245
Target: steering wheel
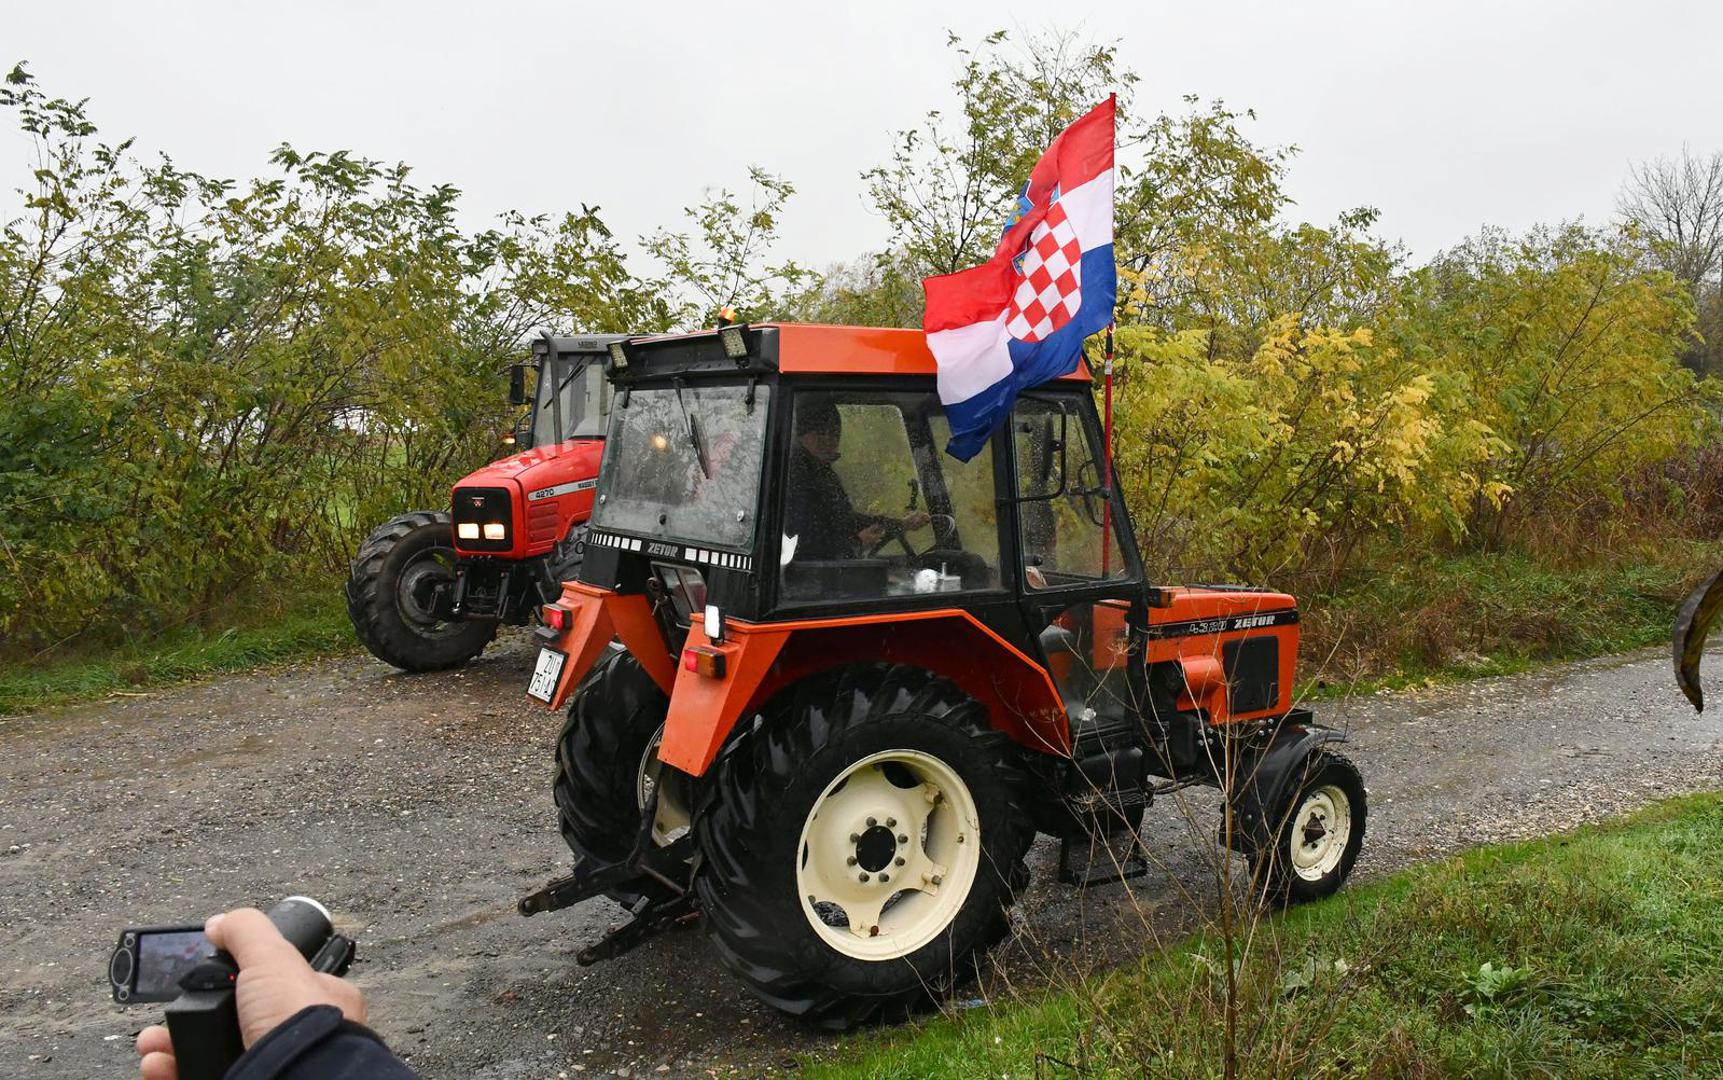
893	531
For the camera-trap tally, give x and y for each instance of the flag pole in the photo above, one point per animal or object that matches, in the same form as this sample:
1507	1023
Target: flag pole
1107	456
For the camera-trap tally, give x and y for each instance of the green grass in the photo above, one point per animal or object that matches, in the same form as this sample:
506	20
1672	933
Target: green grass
1441	619
1604	951
174	657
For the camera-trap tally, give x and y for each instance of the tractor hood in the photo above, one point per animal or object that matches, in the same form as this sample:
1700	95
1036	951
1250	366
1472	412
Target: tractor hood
541	467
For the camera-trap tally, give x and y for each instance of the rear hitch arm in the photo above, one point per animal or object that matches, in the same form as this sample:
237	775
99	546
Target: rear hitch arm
666	865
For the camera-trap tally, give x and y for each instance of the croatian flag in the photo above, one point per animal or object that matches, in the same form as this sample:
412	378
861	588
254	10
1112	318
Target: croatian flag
1020	318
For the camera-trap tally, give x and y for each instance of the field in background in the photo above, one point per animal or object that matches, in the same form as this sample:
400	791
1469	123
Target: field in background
215	388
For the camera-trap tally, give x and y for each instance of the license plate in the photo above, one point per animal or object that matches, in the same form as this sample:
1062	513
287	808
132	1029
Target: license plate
546	673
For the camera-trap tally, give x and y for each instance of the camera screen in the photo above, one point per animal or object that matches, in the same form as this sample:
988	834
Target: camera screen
165	959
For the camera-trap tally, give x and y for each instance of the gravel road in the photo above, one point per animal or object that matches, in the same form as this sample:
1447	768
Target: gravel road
419	808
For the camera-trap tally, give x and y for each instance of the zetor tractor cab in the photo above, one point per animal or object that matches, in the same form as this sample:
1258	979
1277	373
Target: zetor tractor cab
428	588
825	682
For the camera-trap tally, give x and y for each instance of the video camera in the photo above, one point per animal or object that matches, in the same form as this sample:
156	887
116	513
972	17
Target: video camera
179	965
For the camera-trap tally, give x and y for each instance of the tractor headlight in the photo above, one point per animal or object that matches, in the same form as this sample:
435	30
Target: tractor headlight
467	530
496	530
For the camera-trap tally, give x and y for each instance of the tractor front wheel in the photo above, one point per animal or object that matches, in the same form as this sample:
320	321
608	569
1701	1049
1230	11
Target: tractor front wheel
860	850
607	768
1320	832
392	591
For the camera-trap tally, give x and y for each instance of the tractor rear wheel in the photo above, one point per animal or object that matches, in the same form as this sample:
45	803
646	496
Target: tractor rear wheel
859	851
1320	832
607	766
391	591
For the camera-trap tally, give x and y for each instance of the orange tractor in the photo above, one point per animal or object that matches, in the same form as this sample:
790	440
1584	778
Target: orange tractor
825	683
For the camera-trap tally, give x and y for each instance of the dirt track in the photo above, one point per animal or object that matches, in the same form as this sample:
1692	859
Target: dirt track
419	809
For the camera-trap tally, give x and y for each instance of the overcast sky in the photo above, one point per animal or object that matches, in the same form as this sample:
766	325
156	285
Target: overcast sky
1445	116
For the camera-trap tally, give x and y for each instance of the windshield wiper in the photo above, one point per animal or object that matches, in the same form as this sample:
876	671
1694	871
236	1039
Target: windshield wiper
554	402
694	439
576	370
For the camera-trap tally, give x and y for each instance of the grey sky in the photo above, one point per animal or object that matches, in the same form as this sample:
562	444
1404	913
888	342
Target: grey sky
1446	116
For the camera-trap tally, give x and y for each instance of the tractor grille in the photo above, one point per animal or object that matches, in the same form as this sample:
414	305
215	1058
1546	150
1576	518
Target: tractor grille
1252	667
541	519
482	506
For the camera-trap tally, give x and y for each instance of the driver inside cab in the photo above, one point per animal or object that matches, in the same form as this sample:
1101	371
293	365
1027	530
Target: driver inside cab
821	518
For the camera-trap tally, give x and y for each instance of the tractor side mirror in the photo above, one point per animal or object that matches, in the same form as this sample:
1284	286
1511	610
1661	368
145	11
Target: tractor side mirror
517	384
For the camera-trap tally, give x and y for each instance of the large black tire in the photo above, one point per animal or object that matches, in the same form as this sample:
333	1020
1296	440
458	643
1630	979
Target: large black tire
1276	870
758	799
385	606
614	718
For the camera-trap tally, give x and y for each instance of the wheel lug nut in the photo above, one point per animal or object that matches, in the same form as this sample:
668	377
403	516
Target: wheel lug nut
902	839
863	876
898	860
855	838
891	823
936	879
885	877
871	822
852	860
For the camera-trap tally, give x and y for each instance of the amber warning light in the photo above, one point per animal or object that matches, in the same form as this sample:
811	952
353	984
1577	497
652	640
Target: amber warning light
703	660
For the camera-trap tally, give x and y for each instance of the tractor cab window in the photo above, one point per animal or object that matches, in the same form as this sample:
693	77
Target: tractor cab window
682	463
874	508
1067	535
571	401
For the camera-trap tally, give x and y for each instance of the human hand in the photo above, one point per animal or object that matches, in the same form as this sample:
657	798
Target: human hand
871	536
917	520
274	983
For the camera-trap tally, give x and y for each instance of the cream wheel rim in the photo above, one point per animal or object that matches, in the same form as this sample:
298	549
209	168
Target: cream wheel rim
671	819
888	855
1320	830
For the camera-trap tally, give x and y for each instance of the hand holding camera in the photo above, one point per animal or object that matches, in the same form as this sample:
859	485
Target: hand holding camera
231	983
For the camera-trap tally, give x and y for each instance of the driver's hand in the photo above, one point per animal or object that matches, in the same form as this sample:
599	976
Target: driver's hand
917	520
275	982
871	535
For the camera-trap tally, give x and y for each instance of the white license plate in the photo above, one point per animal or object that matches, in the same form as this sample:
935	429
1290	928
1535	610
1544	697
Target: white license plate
546	673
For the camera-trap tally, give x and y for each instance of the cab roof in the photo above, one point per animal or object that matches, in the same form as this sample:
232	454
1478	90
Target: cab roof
826	349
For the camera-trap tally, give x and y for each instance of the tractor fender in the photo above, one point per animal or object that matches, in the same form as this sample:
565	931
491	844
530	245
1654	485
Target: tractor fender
761	659
594	618
1264	776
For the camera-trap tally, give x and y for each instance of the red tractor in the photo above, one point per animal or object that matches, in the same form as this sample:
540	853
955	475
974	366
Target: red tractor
826	683
428	589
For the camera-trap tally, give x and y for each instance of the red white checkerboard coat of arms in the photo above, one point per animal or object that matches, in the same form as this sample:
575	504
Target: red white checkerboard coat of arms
1050	290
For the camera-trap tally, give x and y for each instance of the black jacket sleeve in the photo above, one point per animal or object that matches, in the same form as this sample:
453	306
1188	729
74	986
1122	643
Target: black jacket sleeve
317	1043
